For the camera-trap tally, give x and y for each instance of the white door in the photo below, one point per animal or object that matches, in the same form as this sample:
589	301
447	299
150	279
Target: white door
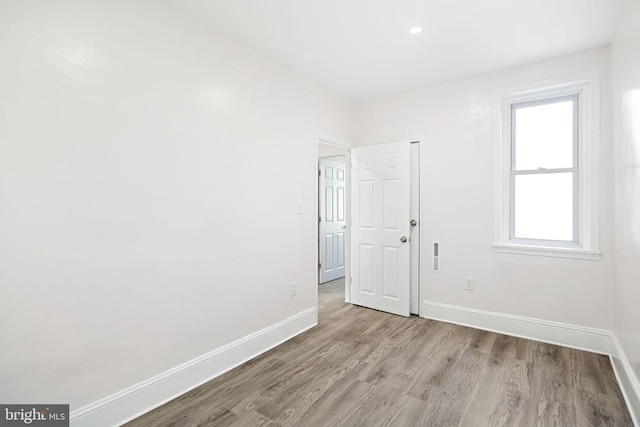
332	218
380	195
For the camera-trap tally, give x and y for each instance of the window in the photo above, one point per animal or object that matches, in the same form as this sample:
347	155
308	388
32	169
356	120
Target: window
548	170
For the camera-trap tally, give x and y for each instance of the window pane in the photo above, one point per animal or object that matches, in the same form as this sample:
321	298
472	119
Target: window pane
544	206
544	136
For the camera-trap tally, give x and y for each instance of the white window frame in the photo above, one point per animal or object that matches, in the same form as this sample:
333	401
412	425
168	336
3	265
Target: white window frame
586	169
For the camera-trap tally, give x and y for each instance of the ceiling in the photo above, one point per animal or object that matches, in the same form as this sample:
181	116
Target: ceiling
362	49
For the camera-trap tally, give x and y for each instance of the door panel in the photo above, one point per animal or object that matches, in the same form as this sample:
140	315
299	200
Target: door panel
340	202
366	204
332	220
390	286
328	258
328	211
390	201
366	270
340	245
381	209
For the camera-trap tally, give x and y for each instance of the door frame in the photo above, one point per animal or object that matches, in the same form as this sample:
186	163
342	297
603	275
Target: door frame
344	145
416	247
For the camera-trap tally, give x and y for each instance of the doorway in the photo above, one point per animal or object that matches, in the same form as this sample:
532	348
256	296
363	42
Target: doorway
333	196
332	218
328	150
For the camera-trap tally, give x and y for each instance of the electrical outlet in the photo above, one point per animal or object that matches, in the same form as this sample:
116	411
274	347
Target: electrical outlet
293	289
470	284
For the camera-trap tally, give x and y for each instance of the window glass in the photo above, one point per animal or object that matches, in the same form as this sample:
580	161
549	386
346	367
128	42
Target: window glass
544	135
543	206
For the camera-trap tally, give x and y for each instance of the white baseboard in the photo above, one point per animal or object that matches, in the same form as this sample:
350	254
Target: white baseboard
626	378
147	395
581	338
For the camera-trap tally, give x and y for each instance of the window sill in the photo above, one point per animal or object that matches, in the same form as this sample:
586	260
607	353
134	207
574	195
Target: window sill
507	248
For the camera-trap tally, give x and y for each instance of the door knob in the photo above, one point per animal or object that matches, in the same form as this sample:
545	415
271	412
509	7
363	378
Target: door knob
403	239
413	222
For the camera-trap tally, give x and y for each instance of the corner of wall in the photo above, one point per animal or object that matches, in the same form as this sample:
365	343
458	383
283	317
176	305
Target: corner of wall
143	397
627	380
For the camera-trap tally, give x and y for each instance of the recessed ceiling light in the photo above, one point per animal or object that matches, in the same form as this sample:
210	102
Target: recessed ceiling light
415	30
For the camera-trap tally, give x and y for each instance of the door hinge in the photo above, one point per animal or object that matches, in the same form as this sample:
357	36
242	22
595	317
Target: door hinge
319	219
319	173
319	265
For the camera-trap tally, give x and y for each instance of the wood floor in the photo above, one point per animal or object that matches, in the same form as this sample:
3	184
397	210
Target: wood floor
362	367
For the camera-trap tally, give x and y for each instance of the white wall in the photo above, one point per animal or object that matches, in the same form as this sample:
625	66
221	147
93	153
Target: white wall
626	96
146	162
456	126
326	150
150	171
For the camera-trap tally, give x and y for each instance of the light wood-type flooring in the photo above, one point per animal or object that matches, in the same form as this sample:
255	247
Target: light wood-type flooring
361	367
